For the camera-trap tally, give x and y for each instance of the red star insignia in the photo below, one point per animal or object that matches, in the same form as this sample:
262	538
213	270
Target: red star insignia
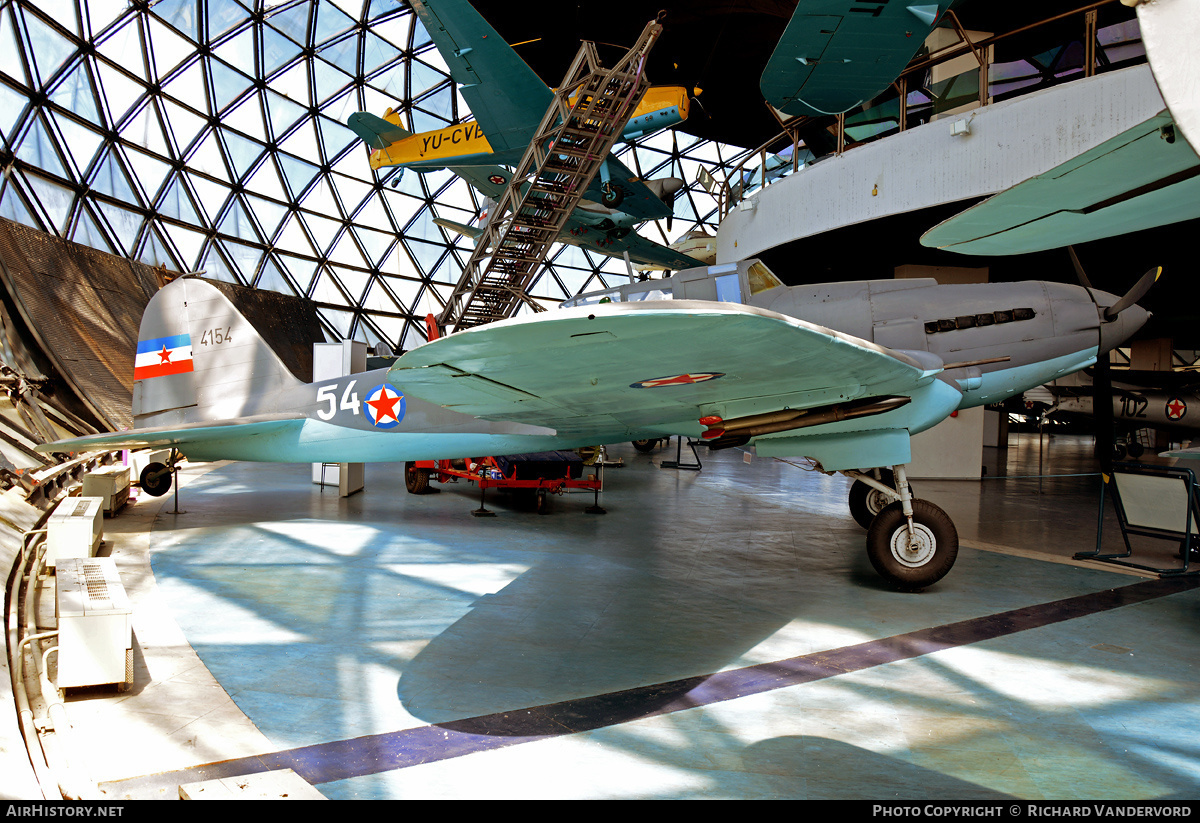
165	356
677	380
384	406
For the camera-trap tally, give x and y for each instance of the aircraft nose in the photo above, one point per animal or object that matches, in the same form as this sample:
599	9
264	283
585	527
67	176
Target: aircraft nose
1117	331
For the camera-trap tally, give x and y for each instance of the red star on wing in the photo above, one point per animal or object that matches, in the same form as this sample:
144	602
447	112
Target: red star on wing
384	406
677	380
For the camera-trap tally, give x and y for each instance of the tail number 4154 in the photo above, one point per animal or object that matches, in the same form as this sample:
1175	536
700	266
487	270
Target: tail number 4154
328	396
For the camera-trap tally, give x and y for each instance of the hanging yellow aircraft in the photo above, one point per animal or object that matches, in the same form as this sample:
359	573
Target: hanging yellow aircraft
508	100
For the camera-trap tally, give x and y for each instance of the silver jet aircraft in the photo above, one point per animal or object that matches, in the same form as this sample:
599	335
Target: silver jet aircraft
840	373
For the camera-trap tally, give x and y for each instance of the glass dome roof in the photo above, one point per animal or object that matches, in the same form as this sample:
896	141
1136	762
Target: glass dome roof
209	135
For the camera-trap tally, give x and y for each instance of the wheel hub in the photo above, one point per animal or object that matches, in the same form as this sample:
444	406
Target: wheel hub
915	552
876	500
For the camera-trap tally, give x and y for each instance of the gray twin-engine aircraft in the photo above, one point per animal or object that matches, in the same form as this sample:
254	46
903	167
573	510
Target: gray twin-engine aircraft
840	373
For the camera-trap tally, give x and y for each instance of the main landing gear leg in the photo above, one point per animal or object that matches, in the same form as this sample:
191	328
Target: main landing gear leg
912	543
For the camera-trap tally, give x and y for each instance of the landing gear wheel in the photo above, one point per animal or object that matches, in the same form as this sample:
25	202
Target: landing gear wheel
540	501
645	446
610	196
1135	449
415	480
866	502
931	555
155	479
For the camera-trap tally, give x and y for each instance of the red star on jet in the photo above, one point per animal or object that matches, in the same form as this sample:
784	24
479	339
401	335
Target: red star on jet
165	356
384	406
1176	408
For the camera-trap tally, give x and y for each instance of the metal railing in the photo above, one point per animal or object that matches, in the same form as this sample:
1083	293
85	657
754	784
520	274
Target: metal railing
912	99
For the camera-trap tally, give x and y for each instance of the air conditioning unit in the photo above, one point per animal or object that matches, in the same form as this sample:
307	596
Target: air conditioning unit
74	529
110	483
95	638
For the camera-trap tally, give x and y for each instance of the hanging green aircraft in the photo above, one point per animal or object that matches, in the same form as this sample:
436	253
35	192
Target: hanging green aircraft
837	54
1142	178
590	225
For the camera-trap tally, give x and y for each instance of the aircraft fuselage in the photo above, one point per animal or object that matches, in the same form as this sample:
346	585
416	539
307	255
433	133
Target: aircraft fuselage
465	144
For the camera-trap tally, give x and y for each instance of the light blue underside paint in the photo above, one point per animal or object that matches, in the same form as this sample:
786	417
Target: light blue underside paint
866	442
1005	383
311	441
836	452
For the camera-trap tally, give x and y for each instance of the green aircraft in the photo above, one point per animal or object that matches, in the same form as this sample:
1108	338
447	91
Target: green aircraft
508	100
837	54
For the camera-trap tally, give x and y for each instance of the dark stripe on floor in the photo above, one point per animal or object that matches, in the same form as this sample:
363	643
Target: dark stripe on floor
341	759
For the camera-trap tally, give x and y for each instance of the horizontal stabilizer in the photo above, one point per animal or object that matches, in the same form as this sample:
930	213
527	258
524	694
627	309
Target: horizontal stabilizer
375	131
465	231
175	436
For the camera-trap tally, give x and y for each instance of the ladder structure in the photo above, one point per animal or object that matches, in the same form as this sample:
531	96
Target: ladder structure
588	114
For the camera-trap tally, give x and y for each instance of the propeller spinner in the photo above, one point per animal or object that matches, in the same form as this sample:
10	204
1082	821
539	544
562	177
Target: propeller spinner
1119	316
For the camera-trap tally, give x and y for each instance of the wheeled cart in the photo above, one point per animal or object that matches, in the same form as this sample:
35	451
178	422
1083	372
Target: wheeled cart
541	474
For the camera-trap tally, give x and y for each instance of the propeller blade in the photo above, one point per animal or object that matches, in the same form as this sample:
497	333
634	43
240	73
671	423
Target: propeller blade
1135	294
1079	272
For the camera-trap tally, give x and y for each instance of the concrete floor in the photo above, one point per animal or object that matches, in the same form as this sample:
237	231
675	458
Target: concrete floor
717	634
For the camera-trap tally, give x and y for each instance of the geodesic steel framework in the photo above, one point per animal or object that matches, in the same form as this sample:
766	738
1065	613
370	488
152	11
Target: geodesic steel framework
209	135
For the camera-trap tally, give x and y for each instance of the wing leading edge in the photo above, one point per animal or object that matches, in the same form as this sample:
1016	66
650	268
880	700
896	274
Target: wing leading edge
189	434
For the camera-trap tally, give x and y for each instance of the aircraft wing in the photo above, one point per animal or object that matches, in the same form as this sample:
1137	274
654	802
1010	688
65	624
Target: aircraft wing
507	97
1136	180
653	366
491	181
641	251
835	54
637	198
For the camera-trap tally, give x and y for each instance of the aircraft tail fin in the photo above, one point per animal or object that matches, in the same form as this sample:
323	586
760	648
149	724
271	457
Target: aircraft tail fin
200	360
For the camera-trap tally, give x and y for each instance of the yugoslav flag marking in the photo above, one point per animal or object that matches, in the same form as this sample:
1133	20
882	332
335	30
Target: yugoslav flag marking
384	406
162	356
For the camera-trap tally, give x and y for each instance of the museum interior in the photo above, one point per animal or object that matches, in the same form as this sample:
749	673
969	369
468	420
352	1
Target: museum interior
772	399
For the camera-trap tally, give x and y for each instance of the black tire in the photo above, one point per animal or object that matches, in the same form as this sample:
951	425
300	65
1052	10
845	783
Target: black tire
867	502
611	196
645	446
540	501
155	479
1135	449
937	545
415	480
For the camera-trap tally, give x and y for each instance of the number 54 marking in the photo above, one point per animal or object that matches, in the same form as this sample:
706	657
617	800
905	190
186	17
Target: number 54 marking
328	395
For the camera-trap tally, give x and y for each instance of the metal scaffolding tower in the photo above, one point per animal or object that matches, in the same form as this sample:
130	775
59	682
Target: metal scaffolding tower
586	118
